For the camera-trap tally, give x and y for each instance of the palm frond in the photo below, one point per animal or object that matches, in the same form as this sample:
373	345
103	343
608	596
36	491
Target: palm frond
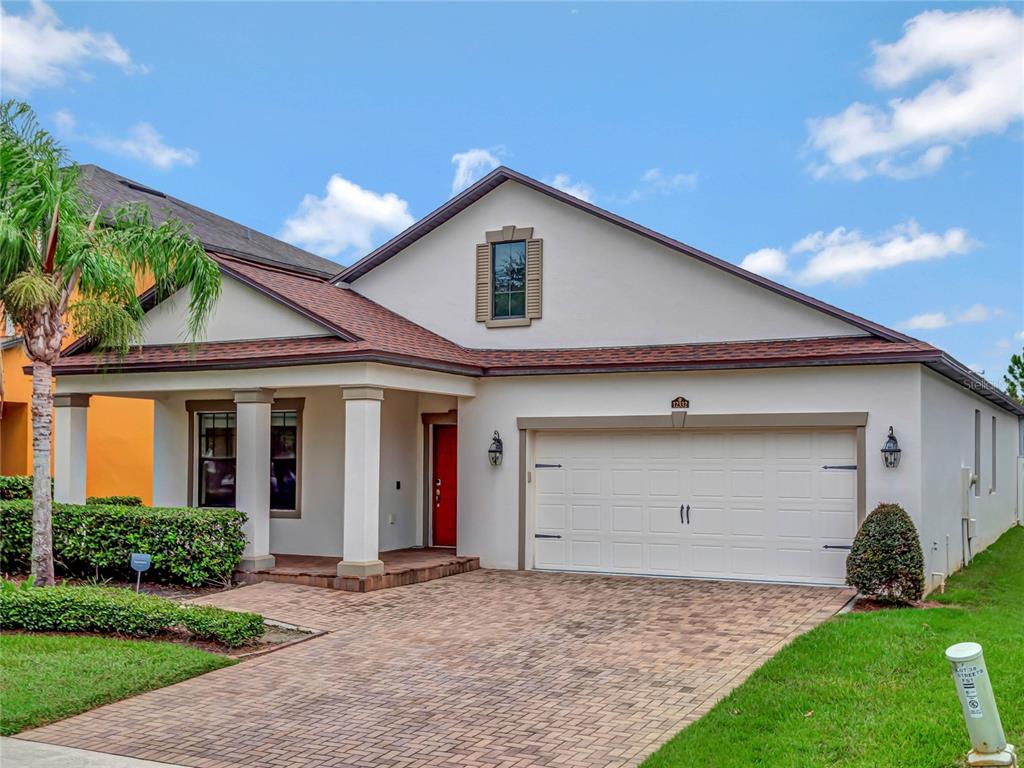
111	324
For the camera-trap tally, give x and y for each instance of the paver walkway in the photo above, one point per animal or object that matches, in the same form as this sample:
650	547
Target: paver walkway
490	668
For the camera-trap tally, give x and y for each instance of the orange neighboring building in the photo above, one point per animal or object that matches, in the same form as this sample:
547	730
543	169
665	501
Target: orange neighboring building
120	436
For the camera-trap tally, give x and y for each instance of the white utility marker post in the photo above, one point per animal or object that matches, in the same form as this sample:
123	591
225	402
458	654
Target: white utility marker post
988	741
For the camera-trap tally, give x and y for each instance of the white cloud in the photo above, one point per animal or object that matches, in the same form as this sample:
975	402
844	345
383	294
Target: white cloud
767	261
471	165
347	217
977	313
1003	344
1020	335
65	121
848	255
145	143
976	61
39	51
578	189
656	181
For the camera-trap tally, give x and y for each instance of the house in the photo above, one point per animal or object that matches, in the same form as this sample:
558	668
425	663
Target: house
536	381
120	438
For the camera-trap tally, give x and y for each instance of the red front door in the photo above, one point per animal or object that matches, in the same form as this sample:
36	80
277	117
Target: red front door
445	484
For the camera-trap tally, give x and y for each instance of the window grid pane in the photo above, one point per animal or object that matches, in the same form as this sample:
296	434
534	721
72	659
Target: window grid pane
508	267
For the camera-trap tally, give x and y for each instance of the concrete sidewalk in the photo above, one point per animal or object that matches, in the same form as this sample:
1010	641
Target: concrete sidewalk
15	753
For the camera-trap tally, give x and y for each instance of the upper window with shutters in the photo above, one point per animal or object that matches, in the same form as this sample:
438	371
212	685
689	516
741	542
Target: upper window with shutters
509	268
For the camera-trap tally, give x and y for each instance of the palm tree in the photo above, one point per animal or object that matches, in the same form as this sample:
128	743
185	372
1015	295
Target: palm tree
65	265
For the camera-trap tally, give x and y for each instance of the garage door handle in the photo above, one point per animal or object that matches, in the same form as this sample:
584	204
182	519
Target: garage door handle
839	466
547	536
837	546
684	514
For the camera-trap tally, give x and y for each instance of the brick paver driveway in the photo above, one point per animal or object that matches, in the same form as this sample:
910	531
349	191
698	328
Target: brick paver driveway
490	668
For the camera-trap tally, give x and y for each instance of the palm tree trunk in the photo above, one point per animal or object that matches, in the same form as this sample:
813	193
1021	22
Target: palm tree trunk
42	503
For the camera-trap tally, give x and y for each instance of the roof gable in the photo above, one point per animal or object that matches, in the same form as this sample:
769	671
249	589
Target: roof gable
500	175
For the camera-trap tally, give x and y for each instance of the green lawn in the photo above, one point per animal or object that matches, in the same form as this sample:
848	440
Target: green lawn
49	677
874	689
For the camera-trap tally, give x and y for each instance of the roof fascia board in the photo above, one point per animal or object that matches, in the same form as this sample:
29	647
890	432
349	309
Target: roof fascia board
502	174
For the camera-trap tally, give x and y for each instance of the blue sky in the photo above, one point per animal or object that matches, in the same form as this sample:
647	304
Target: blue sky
870	154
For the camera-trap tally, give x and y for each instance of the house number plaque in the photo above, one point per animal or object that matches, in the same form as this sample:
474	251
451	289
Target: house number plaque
680	402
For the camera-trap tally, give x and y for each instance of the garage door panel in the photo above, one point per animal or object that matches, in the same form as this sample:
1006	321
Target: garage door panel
627	482
747	522
551	516
627	555
586	482
586	553
663	519
627	519
708	483
761	506
794	484
586	517
747	483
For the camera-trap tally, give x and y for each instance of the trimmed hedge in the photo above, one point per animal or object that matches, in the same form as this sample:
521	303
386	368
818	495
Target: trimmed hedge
117	501
885	560
189	546
228	627
120	612
15	487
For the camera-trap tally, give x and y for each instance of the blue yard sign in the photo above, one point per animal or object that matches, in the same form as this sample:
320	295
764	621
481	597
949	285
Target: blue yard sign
139	563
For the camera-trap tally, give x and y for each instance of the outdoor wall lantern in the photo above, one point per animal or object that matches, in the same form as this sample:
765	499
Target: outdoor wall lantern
495	451
891	451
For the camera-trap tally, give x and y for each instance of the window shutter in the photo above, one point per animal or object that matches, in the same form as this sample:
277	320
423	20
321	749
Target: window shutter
534	274
483	282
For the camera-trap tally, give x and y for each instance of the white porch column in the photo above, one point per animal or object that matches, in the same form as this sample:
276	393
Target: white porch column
362	483
252	474
69	462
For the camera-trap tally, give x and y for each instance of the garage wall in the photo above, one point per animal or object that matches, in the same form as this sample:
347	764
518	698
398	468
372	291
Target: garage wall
947	424
488	496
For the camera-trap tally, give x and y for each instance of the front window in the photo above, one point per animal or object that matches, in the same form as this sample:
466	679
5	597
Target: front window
217	459
217	456
284	433
509	287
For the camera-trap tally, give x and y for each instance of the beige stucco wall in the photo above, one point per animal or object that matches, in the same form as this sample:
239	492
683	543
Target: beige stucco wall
947	430
241	313
603	285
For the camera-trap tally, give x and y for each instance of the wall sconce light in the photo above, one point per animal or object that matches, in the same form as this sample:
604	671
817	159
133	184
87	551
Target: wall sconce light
496	450
891	451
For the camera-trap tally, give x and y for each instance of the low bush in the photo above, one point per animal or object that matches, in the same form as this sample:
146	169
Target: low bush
15	487
225	627
188	546
119	612
885	560
119	501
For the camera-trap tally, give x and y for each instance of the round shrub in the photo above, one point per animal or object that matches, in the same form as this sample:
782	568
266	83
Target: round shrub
886	560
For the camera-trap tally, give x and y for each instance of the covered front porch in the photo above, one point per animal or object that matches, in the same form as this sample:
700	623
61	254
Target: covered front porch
347	473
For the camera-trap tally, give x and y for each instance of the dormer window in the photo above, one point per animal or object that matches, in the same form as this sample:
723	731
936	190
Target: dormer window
508	277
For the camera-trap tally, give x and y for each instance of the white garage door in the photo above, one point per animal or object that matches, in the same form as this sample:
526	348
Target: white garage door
739	504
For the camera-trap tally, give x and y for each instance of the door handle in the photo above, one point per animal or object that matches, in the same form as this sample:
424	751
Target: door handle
684	514
687	514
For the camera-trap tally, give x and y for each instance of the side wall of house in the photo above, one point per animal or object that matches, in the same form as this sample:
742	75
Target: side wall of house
488	496
602	285
948	440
